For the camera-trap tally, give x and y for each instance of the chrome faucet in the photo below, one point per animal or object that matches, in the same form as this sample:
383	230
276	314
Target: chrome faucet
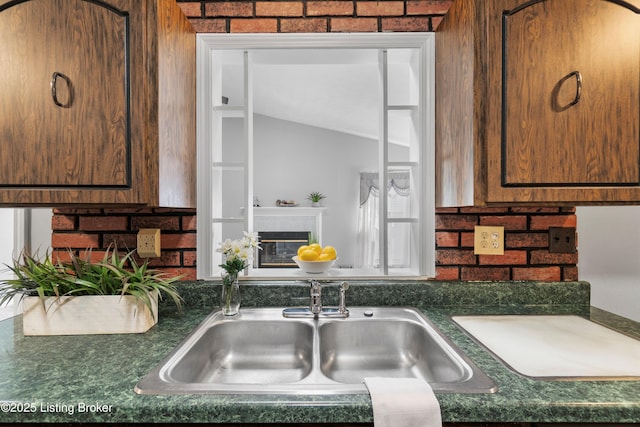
315	303
342	304
315	308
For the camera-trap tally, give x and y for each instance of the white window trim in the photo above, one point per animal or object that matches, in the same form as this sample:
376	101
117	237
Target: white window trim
205	43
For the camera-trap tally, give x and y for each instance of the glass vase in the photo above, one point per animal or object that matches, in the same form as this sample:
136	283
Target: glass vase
230	295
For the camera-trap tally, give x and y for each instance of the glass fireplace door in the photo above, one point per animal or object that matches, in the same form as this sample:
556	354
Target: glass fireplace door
279	247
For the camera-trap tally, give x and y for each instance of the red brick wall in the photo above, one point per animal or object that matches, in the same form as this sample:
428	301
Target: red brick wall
526	230
275	16
95	229
526	255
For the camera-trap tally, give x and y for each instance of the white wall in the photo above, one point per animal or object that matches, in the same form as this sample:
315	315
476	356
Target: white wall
40	234
292	160
609	257
6	241
6	253
37	236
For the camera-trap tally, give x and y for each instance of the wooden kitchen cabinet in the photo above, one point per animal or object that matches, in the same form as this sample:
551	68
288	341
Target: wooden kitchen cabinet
97	103
538	102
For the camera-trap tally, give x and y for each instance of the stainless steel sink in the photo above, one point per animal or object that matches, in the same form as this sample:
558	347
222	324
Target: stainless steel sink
248	352
259	351
350	351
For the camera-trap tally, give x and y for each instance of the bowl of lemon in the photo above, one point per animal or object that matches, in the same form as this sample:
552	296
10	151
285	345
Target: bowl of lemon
315	259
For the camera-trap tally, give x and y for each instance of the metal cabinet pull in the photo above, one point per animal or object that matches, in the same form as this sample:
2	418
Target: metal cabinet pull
54	84
578	77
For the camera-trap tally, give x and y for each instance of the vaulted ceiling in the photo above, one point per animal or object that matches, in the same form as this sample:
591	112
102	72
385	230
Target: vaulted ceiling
337	89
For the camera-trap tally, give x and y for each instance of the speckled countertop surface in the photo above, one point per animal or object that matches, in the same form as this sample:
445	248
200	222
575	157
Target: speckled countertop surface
91	378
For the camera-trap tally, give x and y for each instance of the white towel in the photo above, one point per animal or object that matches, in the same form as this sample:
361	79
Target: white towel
403	402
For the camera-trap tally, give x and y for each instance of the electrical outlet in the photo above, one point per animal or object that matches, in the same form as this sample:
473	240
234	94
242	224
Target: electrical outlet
488	240
562	240
149	242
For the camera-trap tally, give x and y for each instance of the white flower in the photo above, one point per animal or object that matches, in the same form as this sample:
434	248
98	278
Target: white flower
251	239
236	247
225	248
239	250
246	254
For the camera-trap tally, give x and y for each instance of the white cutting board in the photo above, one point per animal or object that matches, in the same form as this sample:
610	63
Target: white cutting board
556	346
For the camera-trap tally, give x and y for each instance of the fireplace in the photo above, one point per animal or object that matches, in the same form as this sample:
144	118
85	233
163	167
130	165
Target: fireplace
278	247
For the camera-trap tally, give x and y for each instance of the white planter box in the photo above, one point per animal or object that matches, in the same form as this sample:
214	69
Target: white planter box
81	315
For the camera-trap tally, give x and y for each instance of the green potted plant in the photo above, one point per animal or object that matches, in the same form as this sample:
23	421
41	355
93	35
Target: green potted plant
315	198
78	296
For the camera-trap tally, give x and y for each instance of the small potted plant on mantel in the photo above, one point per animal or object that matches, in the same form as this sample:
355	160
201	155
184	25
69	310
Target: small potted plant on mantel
113	296
315	198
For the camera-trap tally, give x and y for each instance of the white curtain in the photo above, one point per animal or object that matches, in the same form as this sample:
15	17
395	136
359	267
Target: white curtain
398	205
367	251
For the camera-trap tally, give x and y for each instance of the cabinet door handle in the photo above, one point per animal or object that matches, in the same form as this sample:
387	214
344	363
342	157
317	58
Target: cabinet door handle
54	89
578	77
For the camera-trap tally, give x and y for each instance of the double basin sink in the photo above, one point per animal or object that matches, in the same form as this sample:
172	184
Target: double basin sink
261	352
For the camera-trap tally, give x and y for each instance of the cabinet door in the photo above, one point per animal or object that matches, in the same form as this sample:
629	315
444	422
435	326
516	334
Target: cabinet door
571	100
64	95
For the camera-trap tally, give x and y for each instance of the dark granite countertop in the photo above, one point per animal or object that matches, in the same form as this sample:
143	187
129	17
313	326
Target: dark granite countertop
91	378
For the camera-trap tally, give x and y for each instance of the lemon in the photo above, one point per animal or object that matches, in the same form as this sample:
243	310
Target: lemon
316	247
324	257
302	248
330	251
309	255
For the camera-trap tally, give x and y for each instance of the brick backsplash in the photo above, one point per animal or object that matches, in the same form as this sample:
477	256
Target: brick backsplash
95	230
275	16
526	256
526	229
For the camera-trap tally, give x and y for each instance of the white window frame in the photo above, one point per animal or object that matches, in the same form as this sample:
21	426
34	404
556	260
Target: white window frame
207	43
